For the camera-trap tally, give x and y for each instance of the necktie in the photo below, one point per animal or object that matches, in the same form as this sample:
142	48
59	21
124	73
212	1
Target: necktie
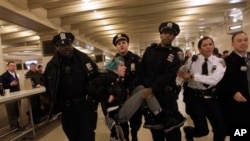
205	70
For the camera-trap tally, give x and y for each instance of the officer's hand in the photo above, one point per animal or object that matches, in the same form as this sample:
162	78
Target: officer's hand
239	98
183	74
111	98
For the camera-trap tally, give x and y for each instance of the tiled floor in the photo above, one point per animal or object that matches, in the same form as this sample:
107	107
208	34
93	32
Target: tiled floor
53	132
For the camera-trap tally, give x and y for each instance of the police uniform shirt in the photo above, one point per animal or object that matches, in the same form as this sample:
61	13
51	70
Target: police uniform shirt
216	70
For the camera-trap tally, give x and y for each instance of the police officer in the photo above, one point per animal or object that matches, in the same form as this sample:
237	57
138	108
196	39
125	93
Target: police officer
158	69
203	74
67	75
235	90
132	61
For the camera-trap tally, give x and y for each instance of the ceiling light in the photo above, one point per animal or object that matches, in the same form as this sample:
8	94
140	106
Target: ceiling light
235	27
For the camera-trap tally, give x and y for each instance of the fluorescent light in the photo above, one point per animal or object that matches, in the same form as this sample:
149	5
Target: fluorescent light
235	27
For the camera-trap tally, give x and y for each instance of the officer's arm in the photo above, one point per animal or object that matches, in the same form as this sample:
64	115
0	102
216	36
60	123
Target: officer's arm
214	77
168	77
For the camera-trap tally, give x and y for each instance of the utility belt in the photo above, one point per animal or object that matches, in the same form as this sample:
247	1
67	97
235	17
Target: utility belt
207	94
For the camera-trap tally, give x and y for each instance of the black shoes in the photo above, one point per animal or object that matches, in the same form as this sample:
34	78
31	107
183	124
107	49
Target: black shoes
188	136
151	122
171	123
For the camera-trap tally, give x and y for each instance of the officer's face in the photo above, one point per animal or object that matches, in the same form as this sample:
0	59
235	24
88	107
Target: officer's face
65	50
121	69
207	47
240	43
166	38
122	46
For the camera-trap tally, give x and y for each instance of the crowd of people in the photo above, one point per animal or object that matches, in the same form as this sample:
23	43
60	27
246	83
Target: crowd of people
216	87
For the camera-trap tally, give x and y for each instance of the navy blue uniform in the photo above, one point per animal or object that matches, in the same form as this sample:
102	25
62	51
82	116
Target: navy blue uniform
158	69
66	82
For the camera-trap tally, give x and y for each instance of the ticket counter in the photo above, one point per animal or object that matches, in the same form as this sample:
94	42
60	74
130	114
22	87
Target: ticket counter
14	96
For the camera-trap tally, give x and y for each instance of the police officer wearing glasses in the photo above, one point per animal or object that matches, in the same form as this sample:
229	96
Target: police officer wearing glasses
159	66
67	75
203	74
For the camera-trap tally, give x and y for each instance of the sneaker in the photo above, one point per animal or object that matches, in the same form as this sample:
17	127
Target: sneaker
187	130
151	122
173	123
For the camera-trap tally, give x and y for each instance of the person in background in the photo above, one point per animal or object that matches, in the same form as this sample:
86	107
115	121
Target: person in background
203	74
158	70
188	54
37	81
40	69
225	54
11	81
234	87
132	62
66	77
216	52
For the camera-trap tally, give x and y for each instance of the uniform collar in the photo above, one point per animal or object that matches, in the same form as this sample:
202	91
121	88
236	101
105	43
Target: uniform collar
209	58
241	55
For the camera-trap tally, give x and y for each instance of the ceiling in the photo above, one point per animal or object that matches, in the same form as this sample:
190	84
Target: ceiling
23	23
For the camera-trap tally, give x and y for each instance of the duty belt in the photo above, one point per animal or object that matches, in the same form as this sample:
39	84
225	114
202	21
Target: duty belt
209	93
69	102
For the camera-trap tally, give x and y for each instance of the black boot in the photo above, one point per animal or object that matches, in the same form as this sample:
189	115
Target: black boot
188	130
171	122
134	135
150	120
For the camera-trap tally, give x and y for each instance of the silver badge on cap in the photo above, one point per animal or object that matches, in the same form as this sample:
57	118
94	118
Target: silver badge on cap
62	36
170	25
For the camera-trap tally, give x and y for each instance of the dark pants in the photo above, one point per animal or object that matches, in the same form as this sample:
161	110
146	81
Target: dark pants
79	121
160	135
199	110
135	122
168	102
35	102
13	114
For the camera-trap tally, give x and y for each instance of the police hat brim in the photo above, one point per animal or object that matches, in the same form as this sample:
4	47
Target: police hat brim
120	38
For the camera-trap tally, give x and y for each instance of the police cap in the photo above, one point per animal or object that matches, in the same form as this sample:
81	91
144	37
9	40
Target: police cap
120	36
63	38
169	26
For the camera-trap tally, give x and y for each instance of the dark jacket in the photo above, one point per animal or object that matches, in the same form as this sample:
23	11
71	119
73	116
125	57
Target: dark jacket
132	62
53	72
6	79
107	84
234	80
159	67
35	78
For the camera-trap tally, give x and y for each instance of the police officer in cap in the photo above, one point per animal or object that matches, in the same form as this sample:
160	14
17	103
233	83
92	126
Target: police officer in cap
159	66
132	62
67	75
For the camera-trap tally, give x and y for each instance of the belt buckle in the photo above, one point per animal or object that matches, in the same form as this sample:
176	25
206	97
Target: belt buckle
207	97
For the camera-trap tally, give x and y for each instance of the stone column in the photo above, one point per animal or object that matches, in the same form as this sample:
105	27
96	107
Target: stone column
2	64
